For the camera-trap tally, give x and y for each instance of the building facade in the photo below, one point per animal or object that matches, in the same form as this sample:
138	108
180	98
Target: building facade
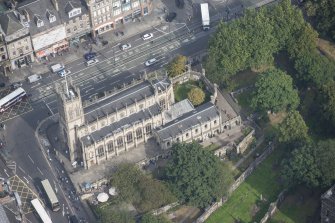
16	39
328	206
75	17
4	62
47	31
115	124
106	15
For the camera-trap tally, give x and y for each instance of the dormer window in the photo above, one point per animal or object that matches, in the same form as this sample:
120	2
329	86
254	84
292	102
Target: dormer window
51	17
72	9
39	22
74	12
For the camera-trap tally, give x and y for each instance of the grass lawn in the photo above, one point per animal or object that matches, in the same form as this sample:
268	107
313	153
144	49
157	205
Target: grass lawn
181	90
300	205
245	204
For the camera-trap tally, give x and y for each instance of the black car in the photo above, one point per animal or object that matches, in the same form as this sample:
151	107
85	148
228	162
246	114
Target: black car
2	84
171	16
90	56
180	3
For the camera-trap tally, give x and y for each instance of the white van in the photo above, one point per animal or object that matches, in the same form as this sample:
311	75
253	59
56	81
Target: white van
57	67
33	78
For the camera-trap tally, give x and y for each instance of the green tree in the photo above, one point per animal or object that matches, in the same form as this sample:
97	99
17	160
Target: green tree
115	216
286	20
293	128
274	91
301	167
149	218
177	66
325	156
228	52
261	42
196	96
312	164
328	102
196	175
154	194
125	179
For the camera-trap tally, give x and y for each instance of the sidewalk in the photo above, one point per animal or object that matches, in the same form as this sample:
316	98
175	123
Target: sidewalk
130	29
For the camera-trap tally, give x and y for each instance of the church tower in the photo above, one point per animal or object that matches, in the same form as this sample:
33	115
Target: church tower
71	115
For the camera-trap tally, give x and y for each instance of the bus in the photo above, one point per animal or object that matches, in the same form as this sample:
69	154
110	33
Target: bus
51	195
41	211
12	98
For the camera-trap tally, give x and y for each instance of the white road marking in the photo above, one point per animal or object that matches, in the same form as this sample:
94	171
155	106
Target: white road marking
6	172
30	157
21	169
40	171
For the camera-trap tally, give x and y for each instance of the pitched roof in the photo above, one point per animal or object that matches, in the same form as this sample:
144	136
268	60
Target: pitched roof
10	23
199	115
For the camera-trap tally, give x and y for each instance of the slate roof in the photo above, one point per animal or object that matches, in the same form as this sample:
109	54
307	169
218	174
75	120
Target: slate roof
120	125
178	109
125	98
330	194
39	8
66	6
199	115
10	23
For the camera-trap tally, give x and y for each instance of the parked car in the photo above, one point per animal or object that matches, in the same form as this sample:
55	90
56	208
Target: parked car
90	56
16	85
125	46
147	36
150	62
2	84
34	78
170	17
57	67
180	3
64	72
104	42
92	62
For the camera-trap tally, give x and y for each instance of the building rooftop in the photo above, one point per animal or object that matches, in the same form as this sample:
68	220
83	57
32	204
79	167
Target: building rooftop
330	194
66	6
124	123
33	10
177	110
125	98
200	114
10	23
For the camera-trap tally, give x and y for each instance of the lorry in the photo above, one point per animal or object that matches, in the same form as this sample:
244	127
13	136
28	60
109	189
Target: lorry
205	16
57	67
33	78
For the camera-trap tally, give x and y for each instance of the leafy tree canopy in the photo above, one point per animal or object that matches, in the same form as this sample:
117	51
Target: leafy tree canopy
274	91
293	128
324	11
177	66
328	92
312	165
196	96
149	218
196	175
141	190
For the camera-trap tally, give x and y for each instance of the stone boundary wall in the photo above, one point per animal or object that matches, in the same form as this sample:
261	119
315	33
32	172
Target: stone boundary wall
236	184
273	207
165	208
243	145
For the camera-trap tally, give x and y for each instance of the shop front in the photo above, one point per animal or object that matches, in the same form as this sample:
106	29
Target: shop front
54	49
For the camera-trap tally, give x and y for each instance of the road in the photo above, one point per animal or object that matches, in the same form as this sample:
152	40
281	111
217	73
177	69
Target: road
115	67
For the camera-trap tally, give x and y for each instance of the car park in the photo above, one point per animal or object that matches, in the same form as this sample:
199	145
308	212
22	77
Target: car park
91	62
150	62
147	36
16	85
170	17
90	56
125	46
63	73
